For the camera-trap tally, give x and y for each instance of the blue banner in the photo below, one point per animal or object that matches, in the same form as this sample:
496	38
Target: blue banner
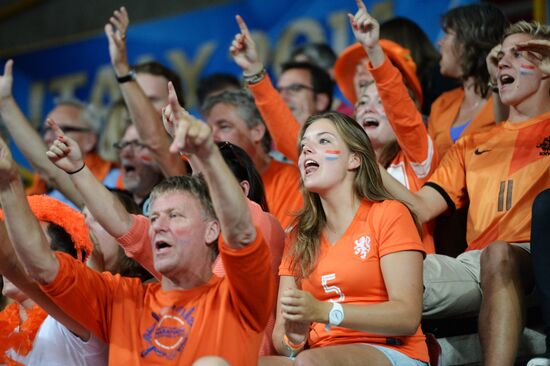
196	43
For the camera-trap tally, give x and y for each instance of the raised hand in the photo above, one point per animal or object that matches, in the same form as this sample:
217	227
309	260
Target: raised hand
64	152
365	28
6	81
191	135
168	112
243	50
8	168
538	51
116	30
492	63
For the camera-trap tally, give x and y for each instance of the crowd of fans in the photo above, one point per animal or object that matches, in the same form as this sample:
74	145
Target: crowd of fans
286	226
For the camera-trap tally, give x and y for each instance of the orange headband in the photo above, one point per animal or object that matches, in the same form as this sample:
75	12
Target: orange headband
51	210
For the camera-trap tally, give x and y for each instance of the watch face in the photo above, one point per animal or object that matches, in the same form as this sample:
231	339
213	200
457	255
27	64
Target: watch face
337	315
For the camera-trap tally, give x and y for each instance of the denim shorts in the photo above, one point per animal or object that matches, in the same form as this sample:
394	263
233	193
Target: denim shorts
397	358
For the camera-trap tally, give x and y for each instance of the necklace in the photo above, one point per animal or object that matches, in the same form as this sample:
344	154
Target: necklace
17	335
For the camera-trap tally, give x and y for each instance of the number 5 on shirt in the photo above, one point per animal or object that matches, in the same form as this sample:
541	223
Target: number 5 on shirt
328	289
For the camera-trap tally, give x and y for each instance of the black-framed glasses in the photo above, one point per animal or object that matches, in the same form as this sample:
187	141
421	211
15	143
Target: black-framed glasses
67	129
294	88
134	144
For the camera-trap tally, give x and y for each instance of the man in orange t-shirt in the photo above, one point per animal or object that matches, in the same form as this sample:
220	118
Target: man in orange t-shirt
497	173
234	117
191	314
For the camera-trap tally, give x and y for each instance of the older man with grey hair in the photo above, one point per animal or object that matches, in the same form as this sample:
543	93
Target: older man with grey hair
234	117
79	121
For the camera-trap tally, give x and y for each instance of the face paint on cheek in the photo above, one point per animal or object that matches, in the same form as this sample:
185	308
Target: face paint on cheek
332	154
526	69
145	159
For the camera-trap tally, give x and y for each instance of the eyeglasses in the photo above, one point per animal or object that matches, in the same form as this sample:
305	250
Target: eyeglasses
294	88
134	144
67	129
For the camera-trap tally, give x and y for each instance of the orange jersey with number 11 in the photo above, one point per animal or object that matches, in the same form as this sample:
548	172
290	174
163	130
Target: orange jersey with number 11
498	173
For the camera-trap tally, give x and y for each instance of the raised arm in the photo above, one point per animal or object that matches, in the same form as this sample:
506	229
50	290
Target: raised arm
192	136
29	141
102	204
401	110
146	119
282	124
538	51
11	268
24	231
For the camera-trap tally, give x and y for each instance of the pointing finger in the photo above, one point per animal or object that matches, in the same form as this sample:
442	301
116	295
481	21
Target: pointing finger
242	26
8	67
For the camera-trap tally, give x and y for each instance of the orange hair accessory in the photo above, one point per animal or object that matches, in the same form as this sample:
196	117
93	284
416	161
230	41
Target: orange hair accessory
400	57
49	209
18	340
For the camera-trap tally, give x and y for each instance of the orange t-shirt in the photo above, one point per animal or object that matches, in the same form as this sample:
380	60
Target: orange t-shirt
100	169
137	245
417	158
282	191
281	123
498	173
145	325
349	272
443	114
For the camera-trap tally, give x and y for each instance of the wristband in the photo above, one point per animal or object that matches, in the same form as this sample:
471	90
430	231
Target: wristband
79	169
255	78
131	75
293	348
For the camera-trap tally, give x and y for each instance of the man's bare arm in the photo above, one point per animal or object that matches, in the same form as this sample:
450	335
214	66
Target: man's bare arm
147	120
24	231
29	141
102	204
12	269
192	136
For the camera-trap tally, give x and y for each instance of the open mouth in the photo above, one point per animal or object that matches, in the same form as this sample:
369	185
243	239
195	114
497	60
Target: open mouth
161	246
310	166
369	122
506	79
128	168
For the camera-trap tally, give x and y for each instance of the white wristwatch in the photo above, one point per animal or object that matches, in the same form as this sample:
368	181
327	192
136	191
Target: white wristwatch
335	316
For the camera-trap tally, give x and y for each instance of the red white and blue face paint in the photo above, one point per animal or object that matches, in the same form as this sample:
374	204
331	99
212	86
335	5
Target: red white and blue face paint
332	154
526	69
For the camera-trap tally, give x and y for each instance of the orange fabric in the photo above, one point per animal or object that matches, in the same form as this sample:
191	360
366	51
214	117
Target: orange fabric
281	183
345	66
137	245
145	325
275	238
443	114
99	168
17	335
417	158
354	276
280	121
498	173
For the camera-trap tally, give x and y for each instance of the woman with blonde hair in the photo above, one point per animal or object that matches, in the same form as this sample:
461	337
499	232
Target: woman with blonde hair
351	278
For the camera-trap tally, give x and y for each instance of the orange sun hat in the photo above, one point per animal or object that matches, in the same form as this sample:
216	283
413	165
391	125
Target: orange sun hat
49	209
344	68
